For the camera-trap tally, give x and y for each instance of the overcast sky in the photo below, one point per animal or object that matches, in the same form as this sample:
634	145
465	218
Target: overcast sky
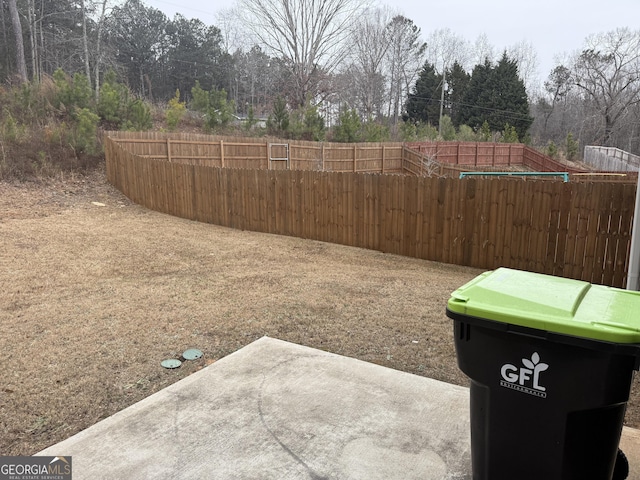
554	27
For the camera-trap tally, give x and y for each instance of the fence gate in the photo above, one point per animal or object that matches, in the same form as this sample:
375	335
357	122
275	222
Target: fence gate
279	156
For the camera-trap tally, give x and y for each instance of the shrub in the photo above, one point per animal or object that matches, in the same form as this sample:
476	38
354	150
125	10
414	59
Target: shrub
73	94
485	132
175	111
251	120
509	134
113	101
199	99
408	132
375	132
220	111
85	131
12	131
447	128
427	132
307	124
278	121
348	128
466	134
138	116
572	147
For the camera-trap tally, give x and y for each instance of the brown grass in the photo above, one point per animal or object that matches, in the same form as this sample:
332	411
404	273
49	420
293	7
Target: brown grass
94	297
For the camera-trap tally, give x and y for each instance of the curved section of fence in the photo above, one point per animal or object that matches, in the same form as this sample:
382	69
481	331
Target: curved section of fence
489	154
575	230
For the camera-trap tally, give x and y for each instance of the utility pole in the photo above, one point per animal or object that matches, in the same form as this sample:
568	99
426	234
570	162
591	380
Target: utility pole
444	81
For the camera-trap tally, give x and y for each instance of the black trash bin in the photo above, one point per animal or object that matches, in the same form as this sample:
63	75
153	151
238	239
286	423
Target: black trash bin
551	362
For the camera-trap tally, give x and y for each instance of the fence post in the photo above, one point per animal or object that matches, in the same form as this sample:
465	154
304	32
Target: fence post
168	149
322	153
222	153
383	155
355	157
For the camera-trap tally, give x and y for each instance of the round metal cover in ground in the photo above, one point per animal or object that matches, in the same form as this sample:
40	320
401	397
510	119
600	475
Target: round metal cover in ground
192	354
171	363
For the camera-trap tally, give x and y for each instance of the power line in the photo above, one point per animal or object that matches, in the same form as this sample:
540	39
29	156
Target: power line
505	113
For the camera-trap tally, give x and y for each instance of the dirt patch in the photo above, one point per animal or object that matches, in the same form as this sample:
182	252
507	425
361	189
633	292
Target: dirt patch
96	291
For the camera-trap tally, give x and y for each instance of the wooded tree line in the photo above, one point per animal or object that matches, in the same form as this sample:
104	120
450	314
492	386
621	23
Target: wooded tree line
334	56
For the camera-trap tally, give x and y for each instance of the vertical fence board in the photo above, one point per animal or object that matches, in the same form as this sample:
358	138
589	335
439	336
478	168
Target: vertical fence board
618	239
441	245
581	269
593	268
565	207
470	221
495	220
556	219
539	228
480	256
627	212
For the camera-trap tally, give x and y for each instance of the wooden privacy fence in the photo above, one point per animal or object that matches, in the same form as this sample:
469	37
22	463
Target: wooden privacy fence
422	159
611	159
575	230
486	154
272	154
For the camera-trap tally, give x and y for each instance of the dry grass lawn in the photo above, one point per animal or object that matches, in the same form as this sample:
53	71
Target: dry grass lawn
94	296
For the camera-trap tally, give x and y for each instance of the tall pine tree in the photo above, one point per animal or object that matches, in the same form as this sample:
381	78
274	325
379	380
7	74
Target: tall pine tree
510	103
457	84
498	96
423	104
473	109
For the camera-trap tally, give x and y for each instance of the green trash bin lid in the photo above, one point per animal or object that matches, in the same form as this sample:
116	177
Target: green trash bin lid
552	304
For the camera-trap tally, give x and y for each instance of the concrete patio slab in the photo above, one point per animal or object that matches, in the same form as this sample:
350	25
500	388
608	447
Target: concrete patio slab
276	410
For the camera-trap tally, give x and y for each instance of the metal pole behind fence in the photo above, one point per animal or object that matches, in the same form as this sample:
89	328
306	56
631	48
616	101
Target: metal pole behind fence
634	255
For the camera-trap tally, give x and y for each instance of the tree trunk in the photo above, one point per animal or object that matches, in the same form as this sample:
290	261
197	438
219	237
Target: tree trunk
5	41
17	31
85	43
31	9
99	50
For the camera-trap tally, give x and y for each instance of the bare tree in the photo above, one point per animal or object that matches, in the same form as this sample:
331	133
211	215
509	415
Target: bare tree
482	50
558	86
370	43
524	53
234	38
405	57
85	41
444	48
17	33
608	73
99	48
309	36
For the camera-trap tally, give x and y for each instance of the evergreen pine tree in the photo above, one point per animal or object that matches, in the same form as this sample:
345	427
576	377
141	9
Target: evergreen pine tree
509	102
423	104
457	84
498	96
472	111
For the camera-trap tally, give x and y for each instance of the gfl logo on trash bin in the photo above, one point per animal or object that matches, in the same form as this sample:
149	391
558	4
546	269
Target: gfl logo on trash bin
525	379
